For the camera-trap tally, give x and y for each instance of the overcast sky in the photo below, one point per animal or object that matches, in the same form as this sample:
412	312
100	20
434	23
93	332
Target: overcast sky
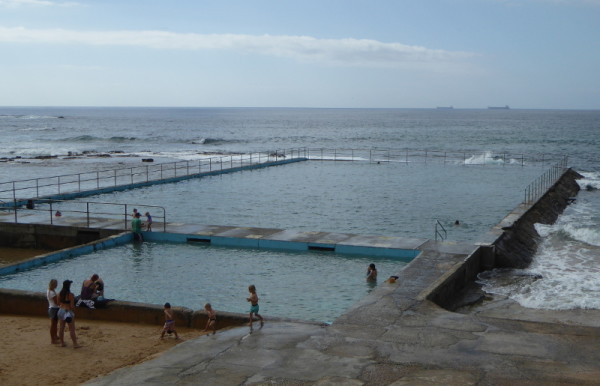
301	53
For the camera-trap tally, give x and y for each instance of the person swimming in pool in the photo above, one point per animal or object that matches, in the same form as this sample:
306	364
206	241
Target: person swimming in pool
371	273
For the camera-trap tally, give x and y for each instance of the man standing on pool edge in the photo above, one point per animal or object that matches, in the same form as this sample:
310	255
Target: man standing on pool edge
253	299
136	227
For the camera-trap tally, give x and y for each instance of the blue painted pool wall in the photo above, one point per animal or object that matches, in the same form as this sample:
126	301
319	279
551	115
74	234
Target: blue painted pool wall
236	242
68	253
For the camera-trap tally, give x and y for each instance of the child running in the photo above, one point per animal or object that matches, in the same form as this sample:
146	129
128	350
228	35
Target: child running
253	299
169	326
212	318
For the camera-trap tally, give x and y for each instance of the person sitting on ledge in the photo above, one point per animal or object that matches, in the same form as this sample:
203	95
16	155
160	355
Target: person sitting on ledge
88	289
92	293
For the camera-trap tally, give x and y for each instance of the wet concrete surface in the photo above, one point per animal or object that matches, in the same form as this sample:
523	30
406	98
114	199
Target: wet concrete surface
394	336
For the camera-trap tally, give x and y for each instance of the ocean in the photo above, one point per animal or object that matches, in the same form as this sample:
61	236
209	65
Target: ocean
402	199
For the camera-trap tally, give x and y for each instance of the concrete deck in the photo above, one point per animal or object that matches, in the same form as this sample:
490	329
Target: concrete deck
393	336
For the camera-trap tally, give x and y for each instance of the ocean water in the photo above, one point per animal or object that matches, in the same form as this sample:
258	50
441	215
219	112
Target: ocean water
564	273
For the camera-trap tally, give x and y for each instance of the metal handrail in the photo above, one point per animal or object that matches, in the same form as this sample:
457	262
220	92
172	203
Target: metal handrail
406	156
540	185
438	233
88	211
78	182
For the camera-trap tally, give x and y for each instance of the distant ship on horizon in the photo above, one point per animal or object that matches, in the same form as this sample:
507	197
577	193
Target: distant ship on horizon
445	107
499	107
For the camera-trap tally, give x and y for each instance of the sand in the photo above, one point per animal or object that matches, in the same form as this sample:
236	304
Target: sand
28	358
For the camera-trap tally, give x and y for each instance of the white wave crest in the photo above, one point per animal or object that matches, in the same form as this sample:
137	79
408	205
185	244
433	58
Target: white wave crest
591	179
485	158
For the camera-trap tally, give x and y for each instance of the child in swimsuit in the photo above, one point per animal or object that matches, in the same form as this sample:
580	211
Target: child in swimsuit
212	318
148	222
169	326
253	299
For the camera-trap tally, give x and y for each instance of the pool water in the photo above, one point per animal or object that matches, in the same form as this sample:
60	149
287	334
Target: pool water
317	286
345	197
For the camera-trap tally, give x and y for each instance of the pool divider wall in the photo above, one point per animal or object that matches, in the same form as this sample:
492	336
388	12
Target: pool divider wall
51	257
167	180
296	246
18	302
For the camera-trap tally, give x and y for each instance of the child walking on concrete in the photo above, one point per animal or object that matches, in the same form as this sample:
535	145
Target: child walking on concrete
212	318
253	299
169	326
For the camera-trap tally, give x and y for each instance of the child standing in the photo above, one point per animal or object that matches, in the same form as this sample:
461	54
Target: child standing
253	299
169	326
212	318
148	222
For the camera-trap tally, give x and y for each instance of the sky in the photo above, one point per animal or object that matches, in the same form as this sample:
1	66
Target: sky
529	54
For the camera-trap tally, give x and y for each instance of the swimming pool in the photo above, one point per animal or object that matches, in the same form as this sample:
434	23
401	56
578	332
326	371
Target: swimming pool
317	286
345	197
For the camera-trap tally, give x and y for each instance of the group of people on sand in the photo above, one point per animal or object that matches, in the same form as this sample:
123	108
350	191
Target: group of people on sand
61	309
61	306
211	313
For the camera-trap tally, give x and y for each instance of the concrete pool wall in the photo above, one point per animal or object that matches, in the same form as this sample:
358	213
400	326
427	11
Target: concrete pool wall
513	238
35	304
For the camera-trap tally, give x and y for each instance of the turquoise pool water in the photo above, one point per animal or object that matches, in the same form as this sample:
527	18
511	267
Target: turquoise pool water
316	286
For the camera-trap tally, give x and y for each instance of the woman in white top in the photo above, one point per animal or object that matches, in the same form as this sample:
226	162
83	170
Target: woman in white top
53	310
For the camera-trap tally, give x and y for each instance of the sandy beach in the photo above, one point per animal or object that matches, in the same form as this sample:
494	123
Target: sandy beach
28	358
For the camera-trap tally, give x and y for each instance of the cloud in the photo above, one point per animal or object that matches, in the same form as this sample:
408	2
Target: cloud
43	3
353	52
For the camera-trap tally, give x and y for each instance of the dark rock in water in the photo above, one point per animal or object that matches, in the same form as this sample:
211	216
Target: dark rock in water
147	159
60	117
45	157
590	188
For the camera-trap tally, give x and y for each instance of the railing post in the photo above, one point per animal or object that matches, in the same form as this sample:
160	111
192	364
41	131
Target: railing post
58	184
37	187
147	175
115	176
87	211
97	179
51	218
131	175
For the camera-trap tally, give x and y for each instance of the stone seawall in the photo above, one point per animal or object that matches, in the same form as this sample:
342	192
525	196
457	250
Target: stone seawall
510	244
518	239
